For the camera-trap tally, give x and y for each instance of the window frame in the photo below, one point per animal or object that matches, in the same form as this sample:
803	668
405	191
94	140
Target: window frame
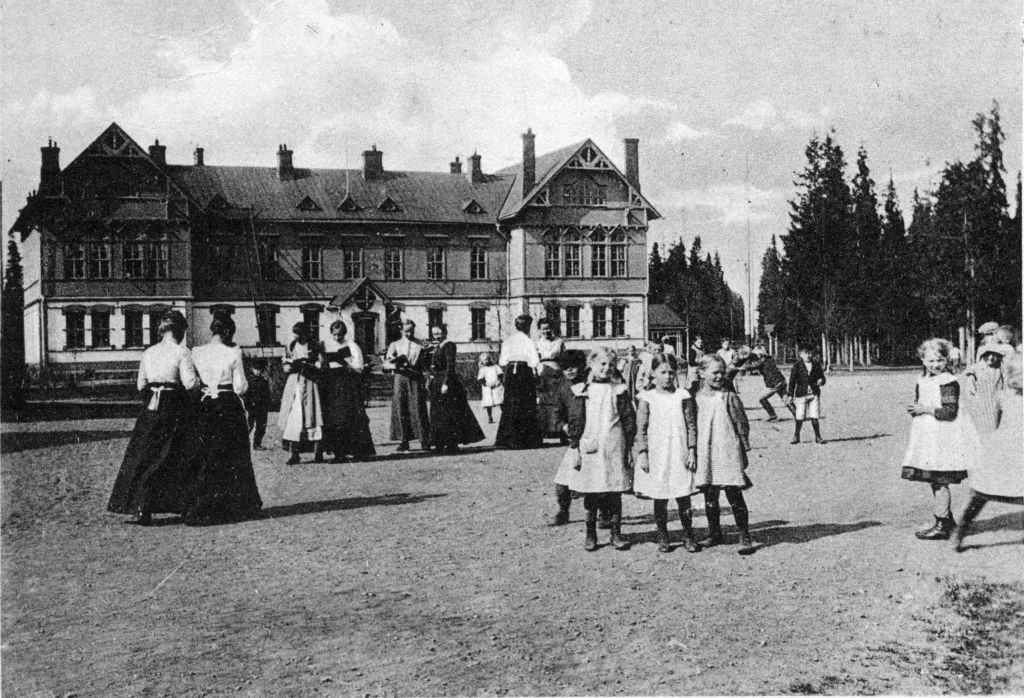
75	259
477	324
599	321
312	327
432	263
74	337
478	267
312	262
572	268
352	263
158	258
99	260
267	259
618	321
618	264
130	317
435	314
265	329
389	264
572	321
598	255
104	317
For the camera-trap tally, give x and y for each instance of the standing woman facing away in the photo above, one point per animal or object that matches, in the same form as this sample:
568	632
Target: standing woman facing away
224	485
346	426
154	475
451	420
301	419
549	376
519	426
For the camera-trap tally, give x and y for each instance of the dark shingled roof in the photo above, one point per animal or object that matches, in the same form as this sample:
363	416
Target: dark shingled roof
546	166
430	197
660	315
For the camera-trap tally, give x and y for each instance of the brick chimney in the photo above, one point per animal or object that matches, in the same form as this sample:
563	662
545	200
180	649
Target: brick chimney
633	162
373	164
529	162
158	153
198	155
284	163
49	172
476	175
455	166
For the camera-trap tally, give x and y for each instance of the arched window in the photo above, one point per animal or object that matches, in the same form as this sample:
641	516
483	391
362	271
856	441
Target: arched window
598	254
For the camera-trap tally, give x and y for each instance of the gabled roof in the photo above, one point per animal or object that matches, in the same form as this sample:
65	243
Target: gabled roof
342	298
662	316
545	169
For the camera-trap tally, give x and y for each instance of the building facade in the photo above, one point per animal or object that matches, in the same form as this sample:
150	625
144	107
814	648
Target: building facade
119	236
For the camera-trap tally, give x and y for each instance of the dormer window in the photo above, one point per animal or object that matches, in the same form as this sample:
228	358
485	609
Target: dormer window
348	205
472	206
307	204
388	205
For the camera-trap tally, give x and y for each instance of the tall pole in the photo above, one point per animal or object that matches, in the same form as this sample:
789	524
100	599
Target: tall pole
750	297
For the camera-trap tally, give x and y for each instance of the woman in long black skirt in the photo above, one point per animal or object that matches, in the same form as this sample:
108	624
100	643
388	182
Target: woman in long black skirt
224	484
156	471
452	422
346	426
519	426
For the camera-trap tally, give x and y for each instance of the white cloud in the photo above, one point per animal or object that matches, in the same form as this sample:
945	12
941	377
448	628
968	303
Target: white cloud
762	114
726	203
678	132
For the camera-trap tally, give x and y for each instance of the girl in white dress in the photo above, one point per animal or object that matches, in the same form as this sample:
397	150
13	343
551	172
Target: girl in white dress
492	394
943	439
666	450
722	444
602	424
301	418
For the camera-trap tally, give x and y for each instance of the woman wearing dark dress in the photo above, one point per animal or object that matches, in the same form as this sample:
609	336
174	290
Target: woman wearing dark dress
155	473
224	484
346	426
519	426
452	422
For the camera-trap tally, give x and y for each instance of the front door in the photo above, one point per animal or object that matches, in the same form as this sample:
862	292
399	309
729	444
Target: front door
365	328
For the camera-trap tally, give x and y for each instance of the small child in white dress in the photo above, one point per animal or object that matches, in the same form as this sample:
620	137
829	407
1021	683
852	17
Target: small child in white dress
943	439
492	393
666	450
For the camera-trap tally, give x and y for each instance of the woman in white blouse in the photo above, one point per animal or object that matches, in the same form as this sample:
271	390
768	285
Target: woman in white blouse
519	427
346	427
224	485
155	474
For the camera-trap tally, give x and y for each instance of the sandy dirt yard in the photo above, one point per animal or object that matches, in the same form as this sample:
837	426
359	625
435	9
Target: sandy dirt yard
441	576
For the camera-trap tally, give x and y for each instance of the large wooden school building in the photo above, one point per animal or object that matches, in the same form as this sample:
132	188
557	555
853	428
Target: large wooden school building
120	235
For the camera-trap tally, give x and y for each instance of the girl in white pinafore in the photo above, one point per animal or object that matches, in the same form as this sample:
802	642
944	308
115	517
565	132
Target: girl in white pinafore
602	424
943	439
666	450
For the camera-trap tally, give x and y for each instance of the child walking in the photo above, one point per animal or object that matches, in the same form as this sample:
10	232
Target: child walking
602	424
722	444
572	373
943	440
805	381
492	393
666	450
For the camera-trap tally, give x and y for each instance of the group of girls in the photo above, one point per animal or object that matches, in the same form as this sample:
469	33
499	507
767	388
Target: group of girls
671	446
189	451
949	444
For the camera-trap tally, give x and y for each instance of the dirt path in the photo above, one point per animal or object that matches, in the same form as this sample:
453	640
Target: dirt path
429	576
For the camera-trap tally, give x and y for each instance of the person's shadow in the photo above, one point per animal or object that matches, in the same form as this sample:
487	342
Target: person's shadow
1012	521
15	442
326	505
765	533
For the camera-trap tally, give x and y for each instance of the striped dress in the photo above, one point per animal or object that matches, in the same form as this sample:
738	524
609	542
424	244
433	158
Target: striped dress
984	385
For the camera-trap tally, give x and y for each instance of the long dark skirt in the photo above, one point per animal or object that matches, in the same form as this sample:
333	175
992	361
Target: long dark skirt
452	422
409	418
224	484
346	426
519	427
156	470
547	401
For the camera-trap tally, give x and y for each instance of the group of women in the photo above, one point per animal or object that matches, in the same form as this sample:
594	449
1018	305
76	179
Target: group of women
189	452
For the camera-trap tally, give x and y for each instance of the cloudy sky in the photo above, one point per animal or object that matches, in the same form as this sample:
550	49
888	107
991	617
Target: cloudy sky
723	96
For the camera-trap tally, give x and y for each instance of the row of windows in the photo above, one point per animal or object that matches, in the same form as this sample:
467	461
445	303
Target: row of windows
353	266
134	329
141	259
605	321
607	255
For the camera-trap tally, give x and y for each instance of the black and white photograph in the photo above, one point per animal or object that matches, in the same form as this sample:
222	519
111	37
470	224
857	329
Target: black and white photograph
519	348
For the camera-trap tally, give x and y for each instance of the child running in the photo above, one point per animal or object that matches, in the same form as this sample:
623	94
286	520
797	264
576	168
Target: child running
943	440
722	445
774	381
666	450
602	425
492	394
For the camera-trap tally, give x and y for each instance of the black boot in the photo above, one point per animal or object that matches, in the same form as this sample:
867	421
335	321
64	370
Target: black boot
661	524
617	541
796	432
686	519
713	514
940	531
564	497
590	543
768	408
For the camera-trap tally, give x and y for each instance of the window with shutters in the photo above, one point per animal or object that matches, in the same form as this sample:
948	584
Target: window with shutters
74	328
478	323
618	321
572	321
600	321
100	328
133	334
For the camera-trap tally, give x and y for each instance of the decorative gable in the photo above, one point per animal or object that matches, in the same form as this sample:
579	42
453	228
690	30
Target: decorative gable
307	204
388	205
589	158
541	198
217	203
115	142
348	205
472	206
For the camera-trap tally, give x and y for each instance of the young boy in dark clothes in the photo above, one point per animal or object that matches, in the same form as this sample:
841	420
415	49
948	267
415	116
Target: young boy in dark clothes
774	381
257	402
572	373
805	381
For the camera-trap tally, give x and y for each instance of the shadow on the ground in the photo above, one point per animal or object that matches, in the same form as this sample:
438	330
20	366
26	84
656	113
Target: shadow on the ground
1010	520
414	454
674	527
384	500
82	409
15	442
769	533
858	438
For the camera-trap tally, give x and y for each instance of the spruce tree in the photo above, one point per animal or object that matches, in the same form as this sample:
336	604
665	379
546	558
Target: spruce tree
771	293
12	341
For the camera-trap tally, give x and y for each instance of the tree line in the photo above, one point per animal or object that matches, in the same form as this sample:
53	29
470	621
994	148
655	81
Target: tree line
853	278
693	285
